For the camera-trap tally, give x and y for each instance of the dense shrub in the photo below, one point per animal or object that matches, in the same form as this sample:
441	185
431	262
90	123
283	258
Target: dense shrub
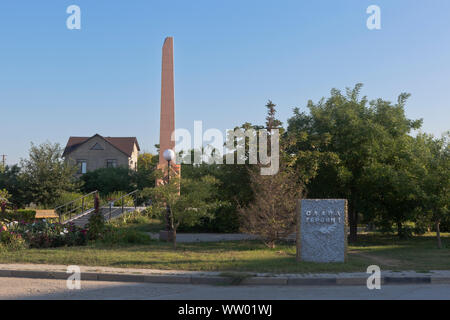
12	180
43	234
234	190
133	217
445	225
224	219
19	215
10	240
108	180
67	197
114	236
128	201
96	224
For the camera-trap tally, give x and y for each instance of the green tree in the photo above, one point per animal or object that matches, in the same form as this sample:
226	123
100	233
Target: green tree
13	180
109	180
96	224
187	203
46	174
392	188
341	137
145	175
233	188
272	213
4	199
435	182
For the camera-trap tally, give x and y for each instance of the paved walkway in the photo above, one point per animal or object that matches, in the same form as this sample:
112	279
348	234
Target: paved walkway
208	237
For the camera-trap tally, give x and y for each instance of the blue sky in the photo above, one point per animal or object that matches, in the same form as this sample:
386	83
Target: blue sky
230	57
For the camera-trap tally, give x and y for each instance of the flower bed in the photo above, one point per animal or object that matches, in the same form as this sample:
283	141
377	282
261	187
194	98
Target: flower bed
41	234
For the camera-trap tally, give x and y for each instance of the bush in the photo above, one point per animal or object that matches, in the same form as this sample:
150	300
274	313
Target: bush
19	215
224	219
133	217
96	226
67	197
114	236
43	234
11	241
445	224
128	201
108	180
421	227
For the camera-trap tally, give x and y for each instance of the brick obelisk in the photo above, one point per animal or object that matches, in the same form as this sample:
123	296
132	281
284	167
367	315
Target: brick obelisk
167	123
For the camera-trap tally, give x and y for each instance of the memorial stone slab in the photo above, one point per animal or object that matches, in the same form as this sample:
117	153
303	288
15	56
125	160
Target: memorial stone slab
323	230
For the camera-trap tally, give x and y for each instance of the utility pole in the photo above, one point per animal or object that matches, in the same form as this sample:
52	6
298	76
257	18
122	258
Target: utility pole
3	159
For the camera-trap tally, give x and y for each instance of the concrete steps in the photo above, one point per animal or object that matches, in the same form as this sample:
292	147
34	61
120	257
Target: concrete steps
82	219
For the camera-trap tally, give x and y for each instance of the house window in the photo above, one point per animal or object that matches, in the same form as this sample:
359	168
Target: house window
82	166
111	163
97	147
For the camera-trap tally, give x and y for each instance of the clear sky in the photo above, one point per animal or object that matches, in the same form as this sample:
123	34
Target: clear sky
230	57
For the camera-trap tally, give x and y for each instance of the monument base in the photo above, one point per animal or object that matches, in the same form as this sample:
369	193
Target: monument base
165	235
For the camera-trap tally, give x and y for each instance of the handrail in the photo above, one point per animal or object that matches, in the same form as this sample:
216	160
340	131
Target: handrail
121	197
70	203
110	203
73	201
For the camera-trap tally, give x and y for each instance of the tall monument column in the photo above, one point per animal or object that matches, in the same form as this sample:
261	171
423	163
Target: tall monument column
167	123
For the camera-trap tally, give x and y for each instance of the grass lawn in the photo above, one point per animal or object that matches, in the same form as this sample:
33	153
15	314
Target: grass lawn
419	253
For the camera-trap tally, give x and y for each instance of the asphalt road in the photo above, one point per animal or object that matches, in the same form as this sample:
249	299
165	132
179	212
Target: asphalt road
21	288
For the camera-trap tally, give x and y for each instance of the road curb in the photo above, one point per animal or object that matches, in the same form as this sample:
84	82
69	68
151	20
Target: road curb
407	280
221	280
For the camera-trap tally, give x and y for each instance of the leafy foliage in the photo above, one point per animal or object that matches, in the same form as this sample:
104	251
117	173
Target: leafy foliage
22	215
42	234
342	137
272	215
144	177
108	180
46	175
96	224
12	180
184	202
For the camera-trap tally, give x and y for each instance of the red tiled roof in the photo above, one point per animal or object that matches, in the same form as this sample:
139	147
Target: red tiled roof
124	144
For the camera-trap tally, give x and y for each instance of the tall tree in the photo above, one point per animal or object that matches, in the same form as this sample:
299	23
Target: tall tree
435	183
12	180
109	180
392	186
186	205
342	136
272	213
145	174
46	174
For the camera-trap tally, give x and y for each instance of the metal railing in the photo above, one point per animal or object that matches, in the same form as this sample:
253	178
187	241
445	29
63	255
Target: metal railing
71	210
122	206
71	207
